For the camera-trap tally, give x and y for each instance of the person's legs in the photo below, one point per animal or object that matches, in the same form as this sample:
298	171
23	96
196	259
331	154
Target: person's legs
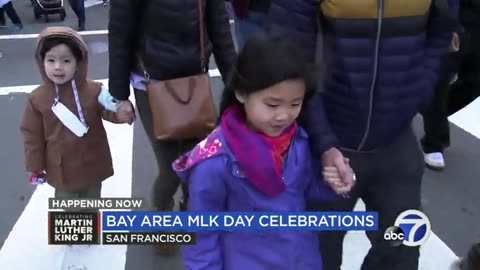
3	22
64	194
331	242
12	14
435	121
395	187
93	192
167	182
81	14
467	87
78	6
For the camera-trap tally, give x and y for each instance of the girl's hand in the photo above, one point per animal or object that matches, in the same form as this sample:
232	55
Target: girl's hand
332	178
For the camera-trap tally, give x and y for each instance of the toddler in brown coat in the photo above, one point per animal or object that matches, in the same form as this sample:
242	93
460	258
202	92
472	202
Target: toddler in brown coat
65	142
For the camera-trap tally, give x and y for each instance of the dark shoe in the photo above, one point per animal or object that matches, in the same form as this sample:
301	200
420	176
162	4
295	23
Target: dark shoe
166	250
183	206
81	26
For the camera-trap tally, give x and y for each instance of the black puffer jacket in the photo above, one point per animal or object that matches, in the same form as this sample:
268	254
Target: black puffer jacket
470	15
165	33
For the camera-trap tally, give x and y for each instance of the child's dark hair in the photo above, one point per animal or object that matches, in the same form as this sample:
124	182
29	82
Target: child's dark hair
472	260
53	41
266	59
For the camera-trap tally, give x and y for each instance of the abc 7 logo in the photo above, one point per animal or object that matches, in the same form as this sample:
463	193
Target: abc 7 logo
412	228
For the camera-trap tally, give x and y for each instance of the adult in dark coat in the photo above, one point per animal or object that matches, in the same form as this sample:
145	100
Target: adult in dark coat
382	60
165	36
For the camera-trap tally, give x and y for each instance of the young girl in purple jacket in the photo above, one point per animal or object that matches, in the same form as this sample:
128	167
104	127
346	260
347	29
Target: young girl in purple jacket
257	159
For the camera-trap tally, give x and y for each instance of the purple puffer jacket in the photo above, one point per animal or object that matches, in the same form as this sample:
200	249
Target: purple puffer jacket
382	60
216	184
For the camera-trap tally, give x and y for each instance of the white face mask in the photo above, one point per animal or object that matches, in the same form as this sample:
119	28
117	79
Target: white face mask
69	119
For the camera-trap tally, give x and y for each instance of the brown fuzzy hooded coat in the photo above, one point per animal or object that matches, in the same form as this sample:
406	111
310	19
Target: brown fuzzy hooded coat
72	163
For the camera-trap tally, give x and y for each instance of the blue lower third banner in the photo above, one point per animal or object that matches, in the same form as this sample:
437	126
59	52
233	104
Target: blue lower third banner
142	221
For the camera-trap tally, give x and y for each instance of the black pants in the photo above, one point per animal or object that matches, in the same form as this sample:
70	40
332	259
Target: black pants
435	117
167	182
11	13
389	182
467	87
78	6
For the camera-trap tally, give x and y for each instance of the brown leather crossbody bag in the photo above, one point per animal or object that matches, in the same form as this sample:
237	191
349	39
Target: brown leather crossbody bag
183	108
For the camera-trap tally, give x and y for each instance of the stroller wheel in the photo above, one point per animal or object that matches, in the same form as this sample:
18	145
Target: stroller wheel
63	14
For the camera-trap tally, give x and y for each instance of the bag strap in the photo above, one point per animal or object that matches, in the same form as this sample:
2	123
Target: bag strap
203	62
142	66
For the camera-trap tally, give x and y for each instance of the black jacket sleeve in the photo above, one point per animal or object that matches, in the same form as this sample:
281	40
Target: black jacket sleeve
218	27
122	39
315	122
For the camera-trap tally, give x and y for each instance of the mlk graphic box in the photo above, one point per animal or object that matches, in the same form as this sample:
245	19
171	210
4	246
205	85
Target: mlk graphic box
73	228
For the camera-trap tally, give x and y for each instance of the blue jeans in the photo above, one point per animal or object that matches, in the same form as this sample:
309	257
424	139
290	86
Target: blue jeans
255	22
78	7
11	13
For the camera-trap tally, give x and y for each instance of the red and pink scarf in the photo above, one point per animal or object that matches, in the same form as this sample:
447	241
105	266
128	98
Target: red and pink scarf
259	156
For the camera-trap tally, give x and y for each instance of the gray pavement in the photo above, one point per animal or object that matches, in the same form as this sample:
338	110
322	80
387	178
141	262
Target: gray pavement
96	17
450	197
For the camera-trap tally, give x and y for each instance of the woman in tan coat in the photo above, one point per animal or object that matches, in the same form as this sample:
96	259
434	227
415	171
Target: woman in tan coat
64	138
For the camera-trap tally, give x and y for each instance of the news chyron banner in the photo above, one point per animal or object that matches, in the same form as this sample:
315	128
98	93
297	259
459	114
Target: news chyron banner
110	221
80	223
74	228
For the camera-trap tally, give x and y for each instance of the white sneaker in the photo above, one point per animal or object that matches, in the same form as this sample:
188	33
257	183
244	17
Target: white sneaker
435	160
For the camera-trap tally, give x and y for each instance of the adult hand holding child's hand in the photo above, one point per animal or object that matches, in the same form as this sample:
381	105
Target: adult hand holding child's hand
126	112
333	178
337	171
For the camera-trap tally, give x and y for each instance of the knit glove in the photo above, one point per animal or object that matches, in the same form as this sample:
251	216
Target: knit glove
37	178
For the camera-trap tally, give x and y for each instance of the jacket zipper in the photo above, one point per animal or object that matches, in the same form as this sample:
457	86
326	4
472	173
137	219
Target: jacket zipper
374	77
285	160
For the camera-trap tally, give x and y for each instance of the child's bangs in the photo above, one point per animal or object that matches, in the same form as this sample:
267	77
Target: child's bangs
268	59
